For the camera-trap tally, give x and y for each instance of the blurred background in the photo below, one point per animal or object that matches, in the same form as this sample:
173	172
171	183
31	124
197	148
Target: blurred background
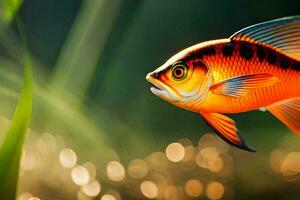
97	132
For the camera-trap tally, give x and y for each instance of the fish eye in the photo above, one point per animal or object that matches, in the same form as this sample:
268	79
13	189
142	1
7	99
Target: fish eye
179	71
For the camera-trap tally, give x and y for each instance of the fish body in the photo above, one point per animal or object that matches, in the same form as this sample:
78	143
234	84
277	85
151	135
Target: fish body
229	59
256	68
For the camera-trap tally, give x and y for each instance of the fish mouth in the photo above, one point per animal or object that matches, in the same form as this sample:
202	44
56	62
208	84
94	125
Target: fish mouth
160	89
157	87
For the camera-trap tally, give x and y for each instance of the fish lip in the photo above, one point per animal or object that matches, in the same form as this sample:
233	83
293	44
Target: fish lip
157	86
158	92
160	89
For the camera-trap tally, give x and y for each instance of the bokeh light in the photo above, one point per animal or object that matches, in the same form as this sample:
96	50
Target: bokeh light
92	189
24	196
137	169
46	143
34	198
157	161
68	158
215	190
108	197
115	171
216	164
171	193
29	160
193	188
80	175
207	140
189	153
91	169
291	164
175	152
149	189
116	194
82	196
209	158
276	159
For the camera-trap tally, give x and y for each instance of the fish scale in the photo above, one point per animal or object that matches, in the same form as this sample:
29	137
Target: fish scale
224	67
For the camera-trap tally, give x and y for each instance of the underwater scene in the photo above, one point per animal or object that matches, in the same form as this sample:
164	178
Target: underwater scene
148	99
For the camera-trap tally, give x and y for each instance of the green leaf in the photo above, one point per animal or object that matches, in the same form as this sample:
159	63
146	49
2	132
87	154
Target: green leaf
11	148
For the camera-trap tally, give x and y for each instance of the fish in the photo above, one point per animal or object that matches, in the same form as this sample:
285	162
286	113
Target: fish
257	68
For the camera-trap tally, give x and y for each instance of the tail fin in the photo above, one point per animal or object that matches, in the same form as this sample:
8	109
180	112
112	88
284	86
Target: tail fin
288	111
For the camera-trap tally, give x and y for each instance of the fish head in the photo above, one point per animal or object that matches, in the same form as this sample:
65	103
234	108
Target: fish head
181	81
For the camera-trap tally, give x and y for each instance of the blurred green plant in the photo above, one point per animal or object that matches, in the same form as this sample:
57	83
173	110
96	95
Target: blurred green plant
11	148
8	9
79	55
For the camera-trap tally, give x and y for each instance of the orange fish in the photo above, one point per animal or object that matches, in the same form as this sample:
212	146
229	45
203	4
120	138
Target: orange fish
256	68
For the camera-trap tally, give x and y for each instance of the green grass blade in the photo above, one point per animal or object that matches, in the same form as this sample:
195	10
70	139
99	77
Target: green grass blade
11	148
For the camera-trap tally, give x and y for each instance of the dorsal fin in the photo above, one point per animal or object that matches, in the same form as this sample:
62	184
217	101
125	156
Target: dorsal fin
281	34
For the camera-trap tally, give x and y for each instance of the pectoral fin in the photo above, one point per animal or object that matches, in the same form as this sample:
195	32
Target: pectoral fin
225	127
242	85
288	112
